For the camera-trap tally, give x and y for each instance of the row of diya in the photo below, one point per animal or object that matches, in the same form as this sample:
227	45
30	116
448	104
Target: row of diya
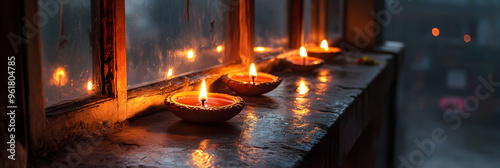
203	107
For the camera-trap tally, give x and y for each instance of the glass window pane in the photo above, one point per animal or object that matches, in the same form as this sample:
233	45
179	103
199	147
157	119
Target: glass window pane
66	53
271	26
334	19
164	35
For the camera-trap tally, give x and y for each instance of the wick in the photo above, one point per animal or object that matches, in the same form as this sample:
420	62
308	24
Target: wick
253	80
60	78
203	103
304	61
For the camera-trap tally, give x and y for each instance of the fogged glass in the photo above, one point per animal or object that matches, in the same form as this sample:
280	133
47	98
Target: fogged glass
172	38
334	19
271	26
66	52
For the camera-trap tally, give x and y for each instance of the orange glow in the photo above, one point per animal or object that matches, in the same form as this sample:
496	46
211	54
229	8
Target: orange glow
435	31
169	73
466	38
303	52
302	89
59	77
190	54
259	49
89	85
202	159
324	45
219	48
253	71
203	92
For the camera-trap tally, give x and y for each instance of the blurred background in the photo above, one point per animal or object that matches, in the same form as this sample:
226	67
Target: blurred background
442	67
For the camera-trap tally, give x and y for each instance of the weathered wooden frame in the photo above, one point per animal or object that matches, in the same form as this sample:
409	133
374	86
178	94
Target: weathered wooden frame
114	102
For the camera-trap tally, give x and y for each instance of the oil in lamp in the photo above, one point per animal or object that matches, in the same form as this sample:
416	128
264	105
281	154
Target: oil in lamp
324	52
303	62
204	107
251	84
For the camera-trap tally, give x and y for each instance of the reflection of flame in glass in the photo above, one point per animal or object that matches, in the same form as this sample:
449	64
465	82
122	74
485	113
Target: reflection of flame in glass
89	85
203	92
219	48
201	158
169	73
324	45
302	89
190	54
59	76
259	49
303	52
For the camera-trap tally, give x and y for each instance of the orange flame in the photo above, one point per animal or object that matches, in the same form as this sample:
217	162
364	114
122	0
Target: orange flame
435	31
466	38
219	48
303	52
203	92
253	71
324	45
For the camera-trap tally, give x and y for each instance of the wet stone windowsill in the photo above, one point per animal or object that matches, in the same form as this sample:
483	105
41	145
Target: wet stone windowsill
283	128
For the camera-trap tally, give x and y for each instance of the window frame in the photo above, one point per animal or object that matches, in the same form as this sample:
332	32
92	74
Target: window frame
49	128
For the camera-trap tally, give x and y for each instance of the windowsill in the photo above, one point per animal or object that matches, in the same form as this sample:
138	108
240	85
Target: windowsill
283	128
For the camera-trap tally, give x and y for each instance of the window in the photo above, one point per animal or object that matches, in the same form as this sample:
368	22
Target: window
67	54
172	38
271	26
334	17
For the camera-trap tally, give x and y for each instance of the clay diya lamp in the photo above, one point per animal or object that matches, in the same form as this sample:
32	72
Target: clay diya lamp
303	62
202	107
251	84
324	52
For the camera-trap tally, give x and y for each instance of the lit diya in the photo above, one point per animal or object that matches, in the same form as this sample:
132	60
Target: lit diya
204	107
251	84
324	52
303	62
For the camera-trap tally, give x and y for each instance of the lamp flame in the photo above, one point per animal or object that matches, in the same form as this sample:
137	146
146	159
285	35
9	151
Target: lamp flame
59	77
89	85
190	54
203	92
169	73
253	71
324	45
303	52
219	48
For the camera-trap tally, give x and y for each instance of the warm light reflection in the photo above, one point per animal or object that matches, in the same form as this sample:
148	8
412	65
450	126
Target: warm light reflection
200	158
169	73
323	75
466	38
219	48
259	49
322	78
203	92
190	54
253	71
324	45
60	78
435	31
303	52
302	89
89	85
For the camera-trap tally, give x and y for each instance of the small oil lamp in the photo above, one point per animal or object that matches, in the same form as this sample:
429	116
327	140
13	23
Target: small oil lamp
324	52
204	107
251	84
303	62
